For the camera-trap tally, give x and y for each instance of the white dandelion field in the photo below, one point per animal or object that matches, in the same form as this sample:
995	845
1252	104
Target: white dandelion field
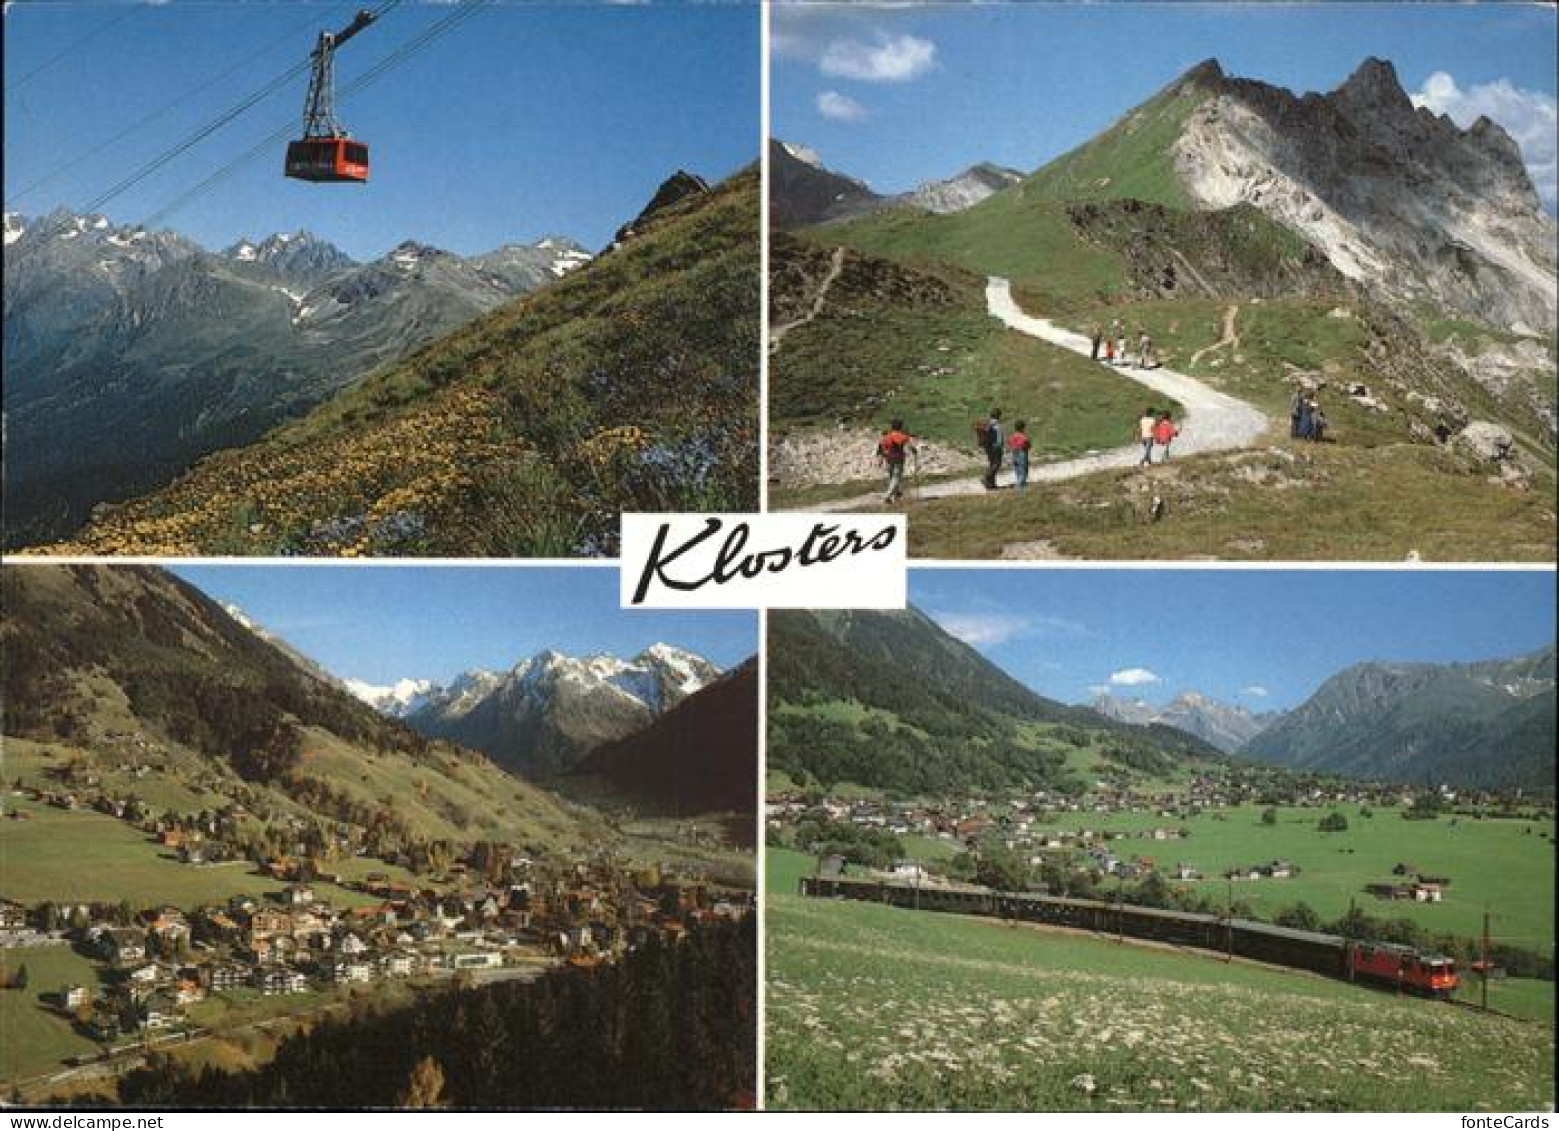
872	1007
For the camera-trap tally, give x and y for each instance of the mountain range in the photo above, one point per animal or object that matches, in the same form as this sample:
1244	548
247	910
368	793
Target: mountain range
802	190
132	682
1488	725
541	717
129	354
891	700
629	384
1227	727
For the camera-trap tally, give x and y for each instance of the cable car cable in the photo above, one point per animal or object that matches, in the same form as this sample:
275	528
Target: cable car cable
172	104
93	34
211	127
466	9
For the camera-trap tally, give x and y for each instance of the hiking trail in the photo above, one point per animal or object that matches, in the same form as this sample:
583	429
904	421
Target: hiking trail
1230	338
1210	421
835	266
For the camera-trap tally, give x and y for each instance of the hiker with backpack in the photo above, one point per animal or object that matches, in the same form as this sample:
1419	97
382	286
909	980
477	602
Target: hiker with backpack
1098	336
893	450
1147	424
1144	347
989	436
1019	443
1164	433
1296	411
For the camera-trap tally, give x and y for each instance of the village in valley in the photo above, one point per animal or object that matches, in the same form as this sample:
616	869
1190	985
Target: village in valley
161	972
1110	833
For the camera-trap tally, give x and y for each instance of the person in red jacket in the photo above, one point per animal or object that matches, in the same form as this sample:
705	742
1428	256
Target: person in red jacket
893	449
1164	432
1019	443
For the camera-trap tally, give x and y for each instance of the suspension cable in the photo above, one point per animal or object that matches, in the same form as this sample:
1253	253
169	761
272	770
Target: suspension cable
465	10
211	127
76	43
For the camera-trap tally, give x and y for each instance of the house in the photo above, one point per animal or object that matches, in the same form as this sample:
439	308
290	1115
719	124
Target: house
274	980
161	1011
187	992
479	960
399	964
1389	891
229	976
1184	871
352	945
350	970
123	945
908	870
1428	892
13	916
1280	870
297	895
74	997
147	975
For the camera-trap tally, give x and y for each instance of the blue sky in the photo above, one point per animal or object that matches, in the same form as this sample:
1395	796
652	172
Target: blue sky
1227	633
527	120
383	623
899	95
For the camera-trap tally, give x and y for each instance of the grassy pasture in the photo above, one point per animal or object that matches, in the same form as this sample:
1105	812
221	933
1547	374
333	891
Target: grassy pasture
872	1007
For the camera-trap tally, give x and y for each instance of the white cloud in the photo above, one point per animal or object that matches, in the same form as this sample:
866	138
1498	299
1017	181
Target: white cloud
1098	689
1255	691
889	58
1531	117
1133	677
980	629
839	107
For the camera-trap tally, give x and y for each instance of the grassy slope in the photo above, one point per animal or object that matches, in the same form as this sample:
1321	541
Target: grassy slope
1498	863
629	385
872	1007
33	1037
1290	502
868	358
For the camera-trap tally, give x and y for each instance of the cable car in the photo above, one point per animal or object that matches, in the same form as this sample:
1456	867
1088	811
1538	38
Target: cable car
327	159
326	153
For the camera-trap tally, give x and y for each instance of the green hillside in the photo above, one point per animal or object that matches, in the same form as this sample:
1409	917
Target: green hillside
629	385
891	701
872	1007
124	683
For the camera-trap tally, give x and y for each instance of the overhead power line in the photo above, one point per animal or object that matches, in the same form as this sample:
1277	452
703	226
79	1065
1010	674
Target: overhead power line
72	46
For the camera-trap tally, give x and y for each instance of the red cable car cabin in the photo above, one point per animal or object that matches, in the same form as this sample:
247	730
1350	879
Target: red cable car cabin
328	159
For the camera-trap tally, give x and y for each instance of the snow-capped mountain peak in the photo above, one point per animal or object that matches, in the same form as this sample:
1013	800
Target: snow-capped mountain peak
397	700
15	227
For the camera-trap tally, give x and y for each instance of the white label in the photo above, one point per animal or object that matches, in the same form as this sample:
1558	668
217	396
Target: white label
763	561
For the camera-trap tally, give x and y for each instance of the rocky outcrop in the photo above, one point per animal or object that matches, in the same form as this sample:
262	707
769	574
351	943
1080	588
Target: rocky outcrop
967	189
1397	197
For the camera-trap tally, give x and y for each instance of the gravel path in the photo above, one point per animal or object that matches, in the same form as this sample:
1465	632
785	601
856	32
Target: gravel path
1210	421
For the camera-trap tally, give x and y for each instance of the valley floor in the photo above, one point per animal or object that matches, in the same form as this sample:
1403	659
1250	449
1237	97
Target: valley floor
872	1007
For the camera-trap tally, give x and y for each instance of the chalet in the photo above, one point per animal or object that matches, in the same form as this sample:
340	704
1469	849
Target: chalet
1428	892
228	976
298	895
123	945
161	1010
187	992
350	944
169	926
13	916
908	870
1184	871
398	964
350	970
275	980
1389	891
1279	870
147	975
74	997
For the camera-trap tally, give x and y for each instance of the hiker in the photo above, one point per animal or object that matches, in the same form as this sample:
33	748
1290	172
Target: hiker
1144	347
1145	428
1296	411
1317	422
1019	443
1306	417
1120	350
895	446
1164	432
1098	336
989	436
1109	351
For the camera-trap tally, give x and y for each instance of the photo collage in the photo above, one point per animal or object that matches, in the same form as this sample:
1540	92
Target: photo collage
1201	358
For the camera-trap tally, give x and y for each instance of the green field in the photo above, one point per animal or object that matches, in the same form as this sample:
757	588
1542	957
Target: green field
1493	862
59	856
33	1037
871	1007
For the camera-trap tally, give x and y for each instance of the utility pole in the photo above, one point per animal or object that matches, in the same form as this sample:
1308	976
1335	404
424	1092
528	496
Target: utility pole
1228	922
1484	964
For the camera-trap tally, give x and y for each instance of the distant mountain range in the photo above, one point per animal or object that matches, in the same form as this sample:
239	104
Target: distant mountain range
1487	725
545	714
891	700
700	756
129	354
802	190
630	384
1224	726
